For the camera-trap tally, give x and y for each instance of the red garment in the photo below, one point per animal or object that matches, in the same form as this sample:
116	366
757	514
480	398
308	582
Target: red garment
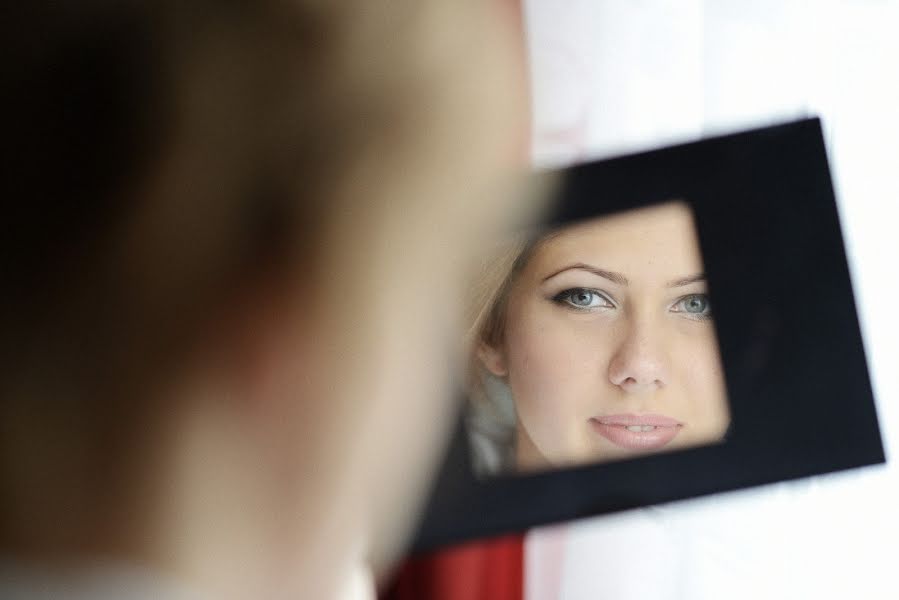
490	569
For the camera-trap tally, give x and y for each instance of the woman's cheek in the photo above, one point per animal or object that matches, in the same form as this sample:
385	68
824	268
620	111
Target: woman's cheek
538	374
706	390
553	376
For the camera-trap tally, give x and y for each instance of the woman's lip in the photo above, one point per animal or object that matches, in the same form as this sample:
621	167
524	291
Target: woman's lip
629	419
615	429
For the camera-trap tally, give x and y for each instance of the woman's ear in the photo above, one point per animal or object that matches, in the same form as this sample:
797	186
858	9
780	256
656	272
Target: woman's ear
493	359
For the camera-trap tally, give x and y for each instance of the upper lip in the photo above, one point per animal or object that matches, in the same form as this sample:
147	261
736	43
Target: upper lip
626	420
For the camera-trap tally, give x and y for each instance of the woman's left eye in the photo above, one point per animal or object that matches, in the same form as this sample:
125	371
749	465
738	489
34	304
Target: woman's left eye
695	306
583	298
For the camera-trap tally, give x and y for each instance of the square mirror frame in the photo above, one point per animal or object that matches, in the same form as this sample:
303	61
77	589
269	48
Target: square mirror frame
785	316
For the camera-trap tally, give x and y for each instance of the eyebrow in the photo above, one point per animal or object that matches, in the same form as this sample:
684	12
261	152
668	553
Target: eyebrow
686	280
610	275
620	279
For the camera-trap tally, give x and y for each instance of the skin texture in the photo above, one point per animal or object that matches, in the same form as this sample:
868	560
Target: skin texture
610	347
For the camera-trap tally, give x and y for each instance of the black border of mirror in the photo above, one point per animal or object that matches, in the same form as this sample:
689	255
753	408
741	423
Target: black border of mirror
785	315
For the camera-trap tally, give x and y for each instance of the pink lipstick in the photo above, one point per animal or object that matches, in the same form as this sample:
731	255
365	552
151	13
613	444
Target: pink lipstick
637	432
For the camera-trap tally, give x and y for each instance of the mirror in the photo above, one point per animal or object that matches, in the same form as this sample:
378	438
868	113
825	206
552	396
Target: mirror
593	342
681	323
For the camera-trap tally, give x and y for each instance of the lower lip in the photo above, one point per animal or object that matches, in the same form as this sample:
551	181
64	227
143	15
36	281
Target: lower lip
636	440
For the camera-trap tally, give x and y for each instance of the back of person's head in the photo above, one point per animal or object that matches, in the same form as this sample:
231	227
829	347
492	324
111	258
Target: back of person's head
230	238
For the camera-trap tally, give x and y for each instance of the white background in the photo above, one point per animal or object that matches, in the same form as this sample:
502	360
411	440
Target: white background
615	76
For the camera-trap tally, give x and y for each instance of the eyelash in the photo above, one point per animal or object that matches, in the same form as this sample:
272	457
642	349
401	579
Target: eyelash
563	298
706	316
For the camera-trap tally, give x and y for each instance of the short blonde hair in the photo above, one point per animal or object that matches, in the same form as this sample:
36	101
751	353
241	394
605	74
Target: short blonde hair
491	417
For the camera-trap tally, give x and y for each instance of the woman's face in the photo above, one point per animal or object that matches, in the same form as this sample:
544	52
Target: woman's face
609	347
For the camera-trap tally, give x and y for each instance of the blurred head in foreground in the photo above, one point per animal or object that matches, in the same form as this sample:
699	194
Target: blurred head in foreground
232	239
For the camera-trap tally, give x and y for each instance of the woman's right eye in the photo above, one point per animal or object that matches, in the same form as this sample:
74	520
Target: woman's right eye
583	298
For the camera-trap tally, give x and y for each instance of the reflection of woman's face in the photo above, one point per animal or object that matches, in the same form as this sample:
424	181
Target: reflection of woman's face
609	348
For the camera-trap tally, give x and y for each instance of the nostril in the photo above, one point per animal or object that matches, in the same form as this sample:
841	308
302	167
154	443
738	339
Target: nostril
632	384
637	367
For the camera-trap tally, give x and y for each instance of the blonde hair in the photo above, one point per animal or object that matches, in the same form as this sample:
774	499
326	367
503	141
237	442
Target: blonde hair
491	417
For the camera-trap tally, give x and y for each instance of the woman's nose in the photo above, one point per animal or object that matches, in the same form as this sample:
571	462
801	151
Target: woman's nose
638	364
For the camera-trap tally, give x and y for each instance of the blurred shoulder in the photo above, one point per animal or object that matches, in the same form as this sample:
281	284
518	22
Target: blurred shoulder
30	582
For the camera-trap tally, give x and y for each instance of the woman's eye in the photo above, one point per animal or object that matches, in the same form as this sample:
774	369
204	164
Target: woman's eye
583	298
694	305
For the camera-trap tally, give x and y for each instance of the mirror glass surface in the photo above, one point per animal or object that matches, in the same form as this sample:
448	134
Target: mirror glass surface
593	342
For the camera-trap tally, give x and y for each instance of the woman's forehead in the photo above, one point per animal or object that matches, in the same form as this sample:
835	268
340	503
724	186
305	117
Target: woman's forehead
659	241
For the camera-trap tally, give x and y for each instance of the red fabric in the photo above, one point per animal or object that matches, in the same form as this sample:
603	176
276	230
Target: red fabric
483	570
